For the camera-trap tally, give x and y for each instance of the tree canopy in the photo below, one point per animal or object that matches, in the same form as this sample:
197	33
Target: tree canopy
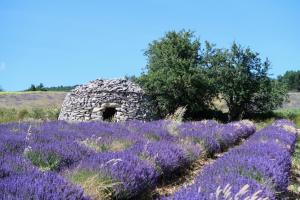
179	72
174	77
39	87
292	79
241	78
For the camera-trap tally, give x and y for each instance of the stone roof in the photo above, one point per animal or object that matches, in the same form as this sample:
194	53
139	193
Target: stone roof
109	86
121	98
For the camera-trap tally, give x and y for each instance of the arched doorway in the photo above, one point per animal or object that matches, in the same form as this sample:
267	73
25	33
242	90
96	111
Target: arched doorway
109	113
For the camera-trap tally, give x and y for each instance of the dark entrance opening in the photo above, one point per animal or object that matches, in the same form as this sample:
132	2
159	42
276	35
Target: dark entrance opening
109	114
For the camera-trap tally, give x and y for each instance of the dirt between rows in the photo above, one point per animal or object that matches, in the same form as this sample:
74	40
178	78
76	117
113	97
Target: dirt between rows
186	177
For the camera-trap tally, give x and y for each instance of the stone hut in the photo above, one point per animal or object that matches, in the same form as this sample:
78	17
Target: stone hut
107	100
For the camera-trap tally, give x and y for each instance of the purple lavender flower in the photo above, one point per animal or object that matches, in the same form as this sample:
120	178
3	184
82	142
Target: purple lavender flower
134	175
134	155
36	185
262	163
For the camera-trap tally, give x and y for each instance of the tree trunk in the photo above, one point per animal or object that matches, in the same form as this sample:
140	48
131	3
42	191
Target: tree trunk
235	113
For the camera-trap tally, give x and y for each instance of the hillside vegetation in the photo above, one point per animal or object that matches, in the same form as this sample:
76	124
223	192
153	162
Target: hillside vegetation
15	106
31	99
182	71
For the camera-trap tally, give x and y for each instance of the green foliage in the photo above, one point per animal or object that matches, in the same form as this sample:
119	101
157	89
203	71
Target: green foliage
152	137
95	185
1	89
38	113
60	88
265	119
179	73
174	77
253	174
8	115
294	184
22	114
51	113
291	114
45	162
13	114
39	87
131	78
292	79
241	79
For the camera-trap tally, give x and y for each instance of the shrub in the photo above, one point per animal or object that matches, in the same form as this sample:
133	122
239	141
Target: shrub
22	114
174	77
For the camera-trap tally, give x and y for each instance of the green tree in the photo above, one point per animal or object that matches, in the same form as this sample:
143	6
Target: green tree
131	78
39	87
32	88
292	79
241	79
173	76
1	90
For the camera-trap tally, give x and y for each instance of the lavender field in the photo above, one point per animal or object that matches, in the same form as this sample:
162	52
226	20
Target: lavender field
98	160
257	169
149	100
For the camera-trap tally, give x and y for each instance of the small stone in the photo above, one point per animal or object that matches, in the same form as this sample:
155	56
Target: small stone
96	110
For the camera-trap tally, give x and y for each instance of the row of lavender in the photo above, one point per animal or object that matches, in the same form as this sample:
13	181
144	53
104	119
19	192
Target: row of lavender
121	160
258	169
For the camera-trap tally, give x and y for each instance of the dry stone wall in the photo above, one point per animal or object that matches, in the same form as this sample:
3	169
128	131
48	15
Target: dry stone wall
102	99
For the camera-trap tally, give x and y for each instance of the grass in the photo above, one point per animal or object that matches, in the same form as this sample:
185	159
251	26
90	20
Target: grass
44	162
115	145
94	184
152	137
24	106
291	114
27	114
294	186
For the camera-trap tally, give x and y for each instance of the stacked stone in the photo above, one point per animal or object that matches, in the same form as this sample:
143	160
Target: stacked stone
89	102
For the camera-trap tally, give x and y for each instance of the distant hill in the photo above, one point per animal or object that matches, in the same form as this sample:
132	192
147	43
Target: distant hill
31	99
41	87
60	88
54	99
294	101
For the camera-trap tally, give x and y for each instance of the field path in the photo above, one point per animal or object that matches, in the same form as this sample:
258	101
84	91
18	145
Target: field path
187	177
294	185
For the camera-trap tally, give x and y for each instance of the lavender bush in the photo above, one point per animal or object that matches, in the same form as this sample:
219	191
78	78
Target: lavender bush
262	164
131	174
109	160
37	185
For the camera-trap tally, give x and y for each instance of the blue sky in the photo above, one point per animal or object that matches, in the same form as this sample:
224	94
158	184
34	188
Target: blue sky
62	42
